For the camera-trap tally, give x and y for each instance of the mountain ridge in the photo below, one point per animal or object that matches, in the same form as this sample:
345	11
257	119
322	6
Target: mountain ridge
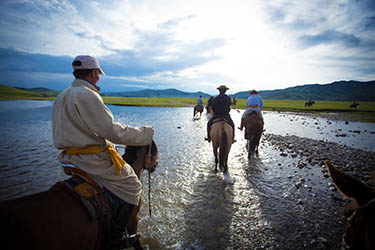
335	91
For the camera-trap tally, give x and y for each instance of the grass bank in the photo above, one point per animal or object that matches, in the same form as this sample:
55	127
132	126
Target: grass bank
340	110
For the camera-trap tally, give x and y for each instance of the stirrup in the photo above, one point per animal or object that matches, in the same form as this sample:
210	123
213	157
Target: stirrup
124	241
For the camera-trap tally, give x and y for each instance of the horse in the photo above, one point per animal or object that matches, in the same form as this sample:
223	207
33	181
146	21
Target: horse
209	110
360	231
354	105
309	103
234	102
221	134
253	124
198	109
54	220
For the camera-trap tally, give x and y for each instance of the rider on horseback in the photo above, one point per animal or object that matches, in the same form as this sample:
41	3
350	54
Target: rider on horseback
84	128
221	108
200	101
254	103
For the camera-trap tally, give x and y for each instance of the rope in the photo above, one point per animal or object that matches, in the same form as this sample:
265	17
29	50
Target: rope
148	161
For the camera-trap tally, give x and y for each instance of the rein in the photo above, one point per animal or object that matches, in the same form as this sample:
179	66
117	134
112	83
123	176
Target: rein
367	204
148	167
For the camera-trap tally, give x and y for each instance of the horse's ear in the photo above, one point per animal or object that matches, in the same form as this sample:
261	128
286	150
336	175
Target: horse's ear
349	186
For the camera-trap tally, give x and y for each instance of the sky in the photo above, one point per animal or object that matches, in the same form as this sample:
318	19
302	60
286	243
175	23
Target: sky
189	45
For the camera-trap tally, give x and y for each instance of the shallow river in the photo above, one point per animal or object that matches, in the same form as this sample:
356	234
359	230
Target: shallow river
193	208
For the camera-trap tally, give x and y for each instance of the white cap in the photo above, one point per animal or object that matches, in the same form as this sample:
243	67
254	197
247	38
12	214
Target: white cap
86	62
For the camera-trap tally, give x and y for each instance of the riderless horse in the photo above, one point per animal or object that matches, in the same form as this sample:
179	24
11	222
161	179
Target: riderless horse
221	134
354	105
360	232
309	103
54	219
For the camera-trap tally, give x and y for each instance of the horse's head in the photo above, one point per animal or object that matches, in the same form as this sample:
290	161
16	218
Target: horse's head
361	227
144	156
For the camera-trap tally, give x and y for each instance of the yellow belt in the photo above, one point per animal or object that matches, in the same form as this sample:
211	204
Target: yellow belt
117	160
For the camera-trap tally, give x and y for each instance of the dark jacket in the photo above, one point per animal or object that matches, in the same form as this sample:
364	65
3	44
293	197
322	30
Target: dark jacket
221	104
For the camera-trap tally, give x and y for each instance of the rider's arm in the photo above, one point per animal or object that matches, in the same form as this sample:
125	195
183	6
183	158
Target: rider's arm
99	119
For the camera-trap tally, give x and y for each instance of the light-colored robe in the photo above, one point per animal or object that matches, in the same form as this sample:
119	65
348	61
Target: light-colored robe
79	119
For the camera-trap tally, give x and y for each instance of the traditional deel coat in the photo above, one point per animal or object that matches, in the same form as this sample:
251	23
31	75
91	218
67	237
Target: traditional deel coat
81	119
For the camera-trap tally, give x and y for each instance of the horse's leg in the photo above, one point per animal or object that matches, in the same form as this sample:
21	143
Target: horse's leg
216	159
133	225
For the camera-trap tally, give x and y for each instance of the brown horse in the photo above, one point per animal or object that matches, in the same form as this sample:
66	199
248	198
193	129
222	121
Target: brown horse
253	124
54	220
361	227
198	109
221	134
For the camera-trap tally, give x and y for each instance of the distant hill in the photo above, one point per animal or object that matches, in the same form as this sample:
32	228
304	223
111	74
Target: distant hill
10	92
158	93
336	91
43	91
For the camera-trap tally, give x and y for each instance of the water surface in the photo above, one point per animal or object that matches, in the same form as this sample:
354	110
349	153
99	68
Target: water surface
193	208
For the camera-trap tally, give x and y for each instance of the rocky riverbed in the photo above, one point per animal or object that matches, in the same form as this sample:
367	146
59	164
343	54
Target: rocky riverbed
356	162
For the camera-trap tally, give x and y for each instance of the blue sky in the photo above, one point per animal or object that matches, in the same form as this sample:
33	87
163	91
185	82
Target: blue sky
193	45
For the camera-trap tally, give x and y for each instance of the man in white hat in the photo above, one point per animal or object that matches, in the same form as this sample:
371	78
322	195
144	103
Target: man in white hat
221	108
84	128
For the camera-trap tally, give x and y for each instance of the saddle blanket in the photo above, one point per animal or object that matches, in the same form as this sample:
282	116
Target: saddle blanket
95	200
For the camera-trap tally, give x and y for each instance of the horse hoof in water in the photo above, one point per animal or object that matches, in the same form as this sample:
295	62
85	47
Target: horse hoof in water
228	179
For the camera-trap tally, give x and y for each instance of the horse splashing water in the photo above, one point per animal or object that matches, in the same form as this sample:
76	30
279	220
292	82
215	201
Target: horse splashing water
54	219
360	232
198	109
221	134
253	124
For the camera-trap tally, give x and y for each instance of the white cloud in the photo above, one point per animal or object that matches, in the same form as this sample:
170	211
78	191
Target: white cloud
199	44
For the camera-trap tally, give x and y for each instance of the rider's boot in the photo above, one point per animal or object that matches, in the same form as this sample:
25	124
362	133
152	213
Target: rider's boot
208	138
119	238
241	126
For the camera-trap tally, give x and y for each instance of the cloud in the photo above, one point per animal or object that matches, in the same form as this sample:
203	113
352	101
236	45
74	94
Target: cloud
330	36
188	44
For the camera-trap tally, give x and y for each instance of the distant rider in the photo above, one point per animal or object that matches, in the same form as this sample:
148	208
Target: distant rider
200	101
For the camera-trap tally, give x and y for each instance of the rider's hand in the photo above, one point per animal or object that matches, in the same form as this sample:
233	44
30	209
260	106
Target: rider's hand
149	128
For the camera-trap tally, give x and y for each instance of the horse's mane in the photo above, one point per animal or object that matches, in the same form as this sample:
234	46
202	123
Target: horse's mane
131	152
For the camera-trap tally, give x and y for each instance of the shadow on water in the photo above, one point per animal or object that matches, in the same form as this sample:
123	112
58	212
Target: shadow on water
286	198
209	217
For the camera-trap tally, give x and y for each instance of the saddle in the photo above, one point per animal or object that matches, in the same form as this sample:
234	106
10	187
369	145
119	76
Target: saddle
219	119
252	113
96	201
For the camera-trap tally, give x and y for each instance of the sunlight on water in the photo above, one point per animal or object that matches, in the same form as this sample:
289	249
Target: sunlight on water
192	207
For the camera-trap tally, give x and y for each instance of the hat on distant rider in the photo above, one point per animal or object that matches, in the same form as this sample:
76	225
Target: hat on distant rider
253	92
223	87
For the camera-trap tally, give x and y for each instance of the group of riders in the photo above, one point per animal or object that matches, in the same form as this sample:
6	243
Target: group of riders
85	131
219	107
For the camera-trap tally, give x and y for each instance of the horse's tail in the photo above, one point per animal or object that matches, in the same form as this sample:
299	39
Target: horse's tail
223	147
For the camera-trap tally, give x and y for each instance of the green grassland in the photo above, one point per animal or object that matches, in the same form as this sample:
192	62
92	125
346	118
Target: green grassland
364	112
